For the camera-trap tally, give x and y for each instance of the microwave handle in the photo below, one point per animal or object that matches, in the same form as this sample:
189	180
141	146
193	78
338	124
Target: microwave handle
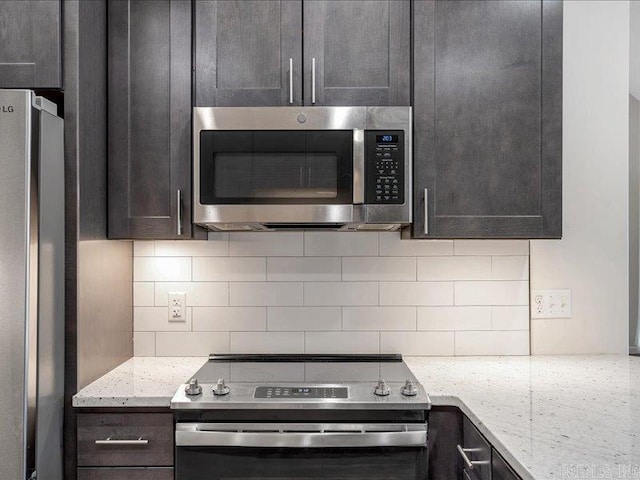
358	167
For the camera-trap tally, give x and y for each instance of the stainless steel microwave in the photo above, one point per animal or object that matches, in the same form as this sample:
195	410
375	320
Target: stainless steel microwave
274	168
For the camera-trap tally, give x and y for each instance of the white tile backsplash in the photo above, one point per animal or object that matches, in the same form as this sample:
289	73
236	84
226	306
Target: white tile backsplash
416	293
229	269
267	342
226	319
201	294
492	293
340	293
191	344
329	292
492	343
331	244
388	269
379	318
454	318
304	319
391	245
434	269
510	268
342	342
266	244
491	247
216	247
417	343
144	344
161	269
156	319
265	293
143	294
301	269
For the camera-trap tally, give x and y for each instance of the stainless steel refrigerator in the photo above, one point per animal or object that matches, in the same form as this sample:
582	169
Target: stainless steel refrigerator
31	287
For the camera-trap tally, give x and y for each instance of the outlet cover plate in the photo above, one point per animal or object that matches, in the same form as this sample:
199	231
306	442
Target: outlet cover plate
551	303
177	299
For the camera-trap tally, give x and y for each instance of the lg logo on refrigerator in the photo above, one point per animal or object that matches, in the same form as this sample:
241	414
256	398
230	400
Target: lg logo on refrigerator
6	109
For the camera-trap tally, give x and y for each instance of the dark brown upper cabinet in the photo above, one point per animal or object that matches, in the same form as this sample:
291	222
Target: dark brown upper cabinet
30	44
357	52
487	97
286	52
248	53
149	87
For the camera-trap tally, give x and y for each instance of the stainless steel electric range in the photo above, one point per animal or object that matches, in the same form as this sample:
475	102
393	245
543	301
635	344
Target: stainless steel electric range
301	417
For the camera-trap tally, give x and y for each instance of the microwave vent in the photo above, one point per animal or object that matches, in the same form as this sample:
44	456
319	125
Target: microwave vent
378	227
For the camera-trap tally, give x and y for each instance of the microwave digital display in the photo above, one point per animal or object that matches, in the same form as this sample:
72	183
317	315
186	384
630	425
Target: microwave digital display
386	138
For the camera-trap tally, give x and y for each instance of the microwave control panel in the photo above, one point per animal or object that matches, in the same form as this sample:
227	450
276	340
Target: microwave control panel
384	166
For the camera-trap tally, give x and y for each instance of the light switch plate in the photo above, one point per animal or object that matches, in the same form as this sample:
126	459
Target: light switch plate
551	304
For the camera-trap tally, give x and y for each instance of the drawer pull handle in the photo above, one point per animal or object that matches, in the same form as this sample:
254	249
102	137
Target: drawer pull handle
471	464
109	441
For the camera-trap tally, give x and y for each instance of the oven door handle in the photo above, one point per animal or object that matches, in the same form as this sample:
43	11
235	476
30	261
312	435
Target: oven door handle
211	435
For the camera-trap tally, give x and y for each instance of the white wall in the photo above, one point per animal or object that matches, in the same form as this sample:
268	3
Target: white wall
634	216
592	257
327	292
634	54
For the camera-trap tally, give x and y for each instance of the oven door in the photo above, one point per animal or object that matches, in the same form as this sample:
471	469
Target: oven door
301	451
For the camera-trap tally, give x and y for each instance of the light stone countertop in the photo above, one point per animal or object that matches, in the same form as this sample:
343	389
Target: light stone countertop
564	417
139	382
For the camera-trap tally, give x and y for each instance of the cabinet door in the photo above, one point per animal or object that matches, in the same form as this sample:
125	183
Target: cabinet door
244	50
30	46
362	52
445	433
488	119
149	84
500	469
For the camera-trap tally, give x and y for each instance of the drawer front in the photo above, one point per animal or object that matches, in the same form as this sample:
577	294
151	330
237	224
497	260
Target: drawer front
111	439
500	469
477	450
115	473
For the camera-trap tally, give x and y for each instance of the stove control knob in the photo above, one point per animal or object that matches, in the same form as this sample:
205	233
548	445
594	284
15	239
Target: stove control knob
382	389
409	389
220	388
193	388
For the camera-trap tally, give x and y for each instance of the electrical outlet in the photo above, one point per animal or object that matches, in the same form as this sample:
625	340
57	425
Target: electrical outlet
177	314
177	299
551	304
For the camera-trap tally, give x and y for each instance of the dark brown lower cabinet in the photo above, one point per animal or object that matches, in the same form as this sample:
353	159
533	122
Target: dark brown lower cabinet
452	434
125	444
500	469
125	474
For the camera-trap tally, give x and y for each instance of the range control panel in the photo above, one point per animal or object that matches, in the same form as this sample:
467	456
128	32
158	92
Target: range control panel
384	166
300	392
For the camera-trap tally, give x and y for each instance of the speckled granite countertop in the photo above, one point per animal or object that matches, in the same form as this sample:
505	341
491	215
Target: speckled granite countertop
565	417
139	382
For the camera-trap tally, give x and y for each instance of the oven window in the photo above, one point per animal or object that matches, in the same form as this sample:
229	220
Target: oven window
276	167
232	463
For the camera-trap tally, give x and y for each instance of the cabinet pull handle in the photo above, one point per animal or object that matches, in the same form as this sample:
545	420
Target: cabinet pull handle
471	464
109	441
291	81
179	212
313	81
426	211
